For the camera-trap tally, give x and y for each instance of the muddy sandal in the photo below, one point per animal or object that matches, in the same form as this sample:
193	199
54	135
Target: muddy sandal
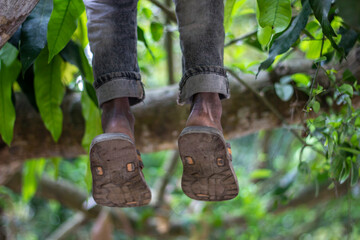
116	167
208	174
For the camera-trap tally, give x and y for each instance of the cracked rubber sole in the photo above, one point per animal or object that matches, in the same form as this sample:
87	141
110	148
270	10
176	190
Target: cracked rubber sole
208	174
116	170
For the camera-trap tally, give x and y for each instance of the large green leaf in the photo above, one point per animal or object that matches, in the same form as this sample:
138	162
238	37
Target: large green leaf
93	128
75	55
32	172
275	14
81	33
321	10
49	92
157	30
62	24
289	37
8	54
141	38
9	70
229	6
33	33
348	39
92	118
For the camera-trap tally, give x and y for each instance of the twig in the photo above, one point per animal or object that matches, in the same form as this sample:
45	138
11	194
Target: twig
307	33
272	109
245	36
170	166
316	74
165	9
67	227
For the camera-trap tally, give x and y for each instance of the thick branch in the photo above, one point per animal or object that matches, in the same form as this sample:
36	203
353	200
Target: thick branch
12	15
159	120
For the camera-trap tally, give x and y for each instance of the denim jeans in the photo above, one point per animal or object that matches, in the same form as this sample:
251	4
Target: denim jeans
112	28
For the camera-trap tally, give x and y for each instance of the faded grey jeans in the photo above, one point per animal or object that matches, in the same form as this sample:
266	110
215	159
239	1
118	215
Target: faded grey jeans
112	30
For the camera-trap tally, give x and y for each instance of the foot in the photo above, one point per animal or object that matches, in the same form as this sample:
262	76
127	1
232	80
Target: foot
206	111
117	117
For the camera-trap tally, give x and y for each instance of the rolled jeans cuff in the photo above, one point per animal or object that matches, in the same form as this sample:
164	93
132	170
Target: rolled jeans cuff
117	85
203	79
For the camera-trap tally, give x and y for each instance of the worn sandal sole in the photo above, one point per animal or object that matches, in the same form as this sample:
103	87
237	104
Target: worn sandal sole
208	174
116	169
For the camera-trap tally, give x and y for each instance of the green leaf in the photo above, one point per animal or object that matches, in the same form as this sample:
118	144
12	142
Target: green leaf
354	173
157	30
9	70
347	88
229	6
49	92
261	174
264	35
344	174
33	33
92	118
141	38
62	24
348	39
71	53
320	59
93	128
348	76
8	54
56	162
289	37
75	55
275	14
304	168
284	91
32	171
321	9
88	177
316	106
81	33
301	79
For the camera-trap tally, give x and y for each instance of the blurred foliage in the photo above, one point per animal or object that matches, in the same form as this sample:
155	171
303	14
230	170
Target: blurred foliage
273	167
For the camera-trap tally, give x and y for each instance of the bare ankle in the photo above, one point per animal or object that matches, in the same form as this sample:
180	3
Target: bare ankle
117	117
206	111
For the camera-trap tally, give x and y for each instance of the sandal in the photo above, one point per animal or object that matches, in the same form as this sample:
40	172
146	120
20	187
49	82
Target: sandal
116	168
208	174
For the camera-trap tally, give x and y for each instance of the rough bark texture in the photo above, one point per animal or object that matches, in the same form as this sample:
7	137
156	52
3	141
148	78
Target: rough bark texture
12	15
159	120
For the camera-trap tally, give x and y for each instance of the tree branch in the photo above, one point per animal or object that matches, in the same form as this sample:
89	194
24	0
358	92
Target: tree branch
68	227
241	38
12	15
162	183
165	9
159	120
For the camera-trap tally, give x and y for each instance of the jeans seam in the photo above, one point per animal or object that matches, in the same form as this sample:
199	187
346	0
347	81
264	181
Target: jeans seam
125	75
220	71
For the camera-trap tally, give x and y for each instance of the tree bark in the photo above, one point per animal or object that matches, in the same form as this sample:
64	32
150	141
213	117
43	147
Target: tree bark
159	120
12	15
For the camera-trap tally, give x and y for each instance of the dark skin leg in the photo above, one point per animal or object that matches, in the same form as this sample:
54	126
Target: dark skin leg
117	117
